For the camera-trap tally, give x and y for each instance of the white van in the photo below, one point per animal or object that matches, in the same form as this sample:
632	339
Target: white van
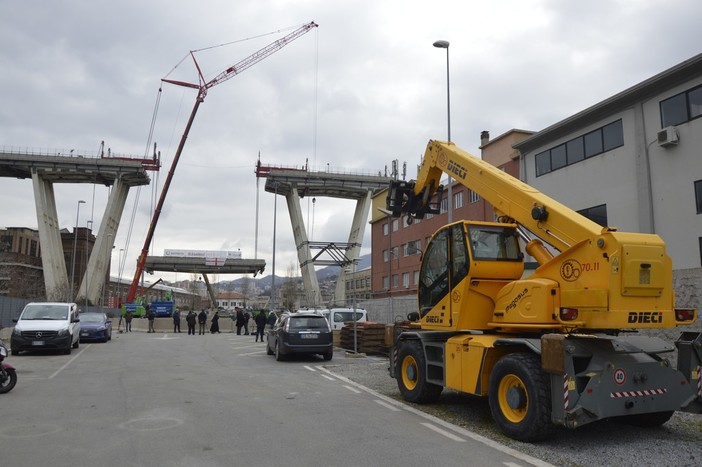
45	326
338	316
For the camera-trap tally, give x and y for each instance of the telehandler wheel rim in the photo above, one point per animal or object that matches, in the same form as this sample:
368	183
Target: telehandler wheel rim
410	375
513	398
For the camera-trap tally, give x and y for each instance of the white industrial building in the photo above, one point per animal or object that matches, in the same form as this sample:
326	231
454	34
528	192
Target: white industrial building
633	161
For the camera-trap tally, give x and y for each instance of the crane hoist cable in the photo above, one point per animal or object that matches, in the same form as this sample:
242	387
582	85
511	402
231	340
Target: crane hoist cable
202	88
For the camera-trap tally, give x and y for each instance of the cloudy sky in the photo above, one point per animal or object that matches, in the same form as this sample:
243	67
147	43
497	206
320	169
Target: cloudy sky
362	89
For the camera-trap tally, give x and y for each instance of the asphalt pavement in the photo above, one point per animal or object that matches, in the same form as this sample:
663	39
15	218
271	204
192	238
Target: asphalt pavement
169	399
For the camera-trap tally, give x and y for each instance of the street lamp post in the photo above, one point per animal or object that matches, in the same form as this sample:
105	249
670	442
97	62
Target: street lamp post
106	280
275	217
75	246
119	278
89	226
445	45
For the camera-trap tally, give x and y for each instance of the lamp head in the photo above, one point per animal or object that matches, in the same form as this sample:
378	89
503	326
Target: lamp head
441	44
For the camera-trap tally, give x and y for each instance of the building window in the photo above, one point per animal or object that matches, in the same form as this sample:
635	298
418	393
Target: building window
575	150
444	205
386	283
682	107
385	256
405	280
474	197
612	135
606	138
395	281
395	225
558	157
698	196
458	200
412	247
385	229
596	214
416	277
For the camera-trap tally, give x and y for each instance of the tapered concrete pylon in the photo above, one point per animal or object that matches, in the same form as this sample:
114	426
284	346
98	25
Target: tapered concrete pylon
309	278
94	278
358	227
53	262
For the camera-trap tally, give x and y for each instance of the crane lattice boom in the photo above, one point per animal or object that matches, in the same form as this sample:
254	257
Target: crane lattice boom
203	87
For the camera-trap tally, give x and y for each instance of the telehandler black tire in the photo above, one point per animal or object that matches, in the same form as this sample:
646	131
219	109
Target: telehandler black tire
520	397
411	376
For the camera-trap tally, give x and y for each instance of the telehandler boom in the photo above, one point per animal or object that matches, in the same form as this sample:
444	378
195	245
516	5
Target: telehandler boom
559	347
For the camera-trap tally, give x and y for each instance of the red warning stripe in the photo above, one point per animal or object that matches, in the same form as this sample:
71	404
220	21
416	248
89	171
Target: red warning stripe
645	392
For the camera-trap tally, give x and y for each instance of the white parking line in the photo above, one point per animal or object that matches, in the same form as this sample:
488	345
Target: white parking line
328	377
69	362
260	352
352	389
387	406
468	434
310	368
444	432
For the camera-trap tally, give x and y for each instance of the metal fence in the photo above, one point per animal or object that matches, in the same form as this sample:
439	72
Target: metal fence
10	308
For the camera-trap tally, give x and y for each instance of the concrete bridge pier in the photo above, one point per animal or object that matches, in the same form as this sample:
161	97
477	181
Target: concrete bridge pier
53	262
358	227
309	277
94	279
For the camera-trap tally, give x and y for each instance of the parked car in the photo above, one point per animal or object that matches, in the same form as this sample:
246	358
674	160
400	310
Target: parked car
46	326
338	316
95	327
300	333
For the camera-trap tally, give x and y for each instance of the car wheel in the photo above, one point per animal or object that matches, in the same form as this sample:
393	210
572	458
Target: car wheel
278	355
67	350
328	356
14	352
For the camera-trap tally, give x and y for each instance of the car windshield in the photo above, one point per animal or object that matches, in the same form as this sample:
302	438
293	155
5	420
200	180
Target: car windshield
308	322
45	311
91	318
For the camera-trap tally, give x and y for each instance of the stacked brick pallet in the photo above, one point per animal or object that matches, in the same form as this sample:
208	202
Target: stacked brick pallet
370	337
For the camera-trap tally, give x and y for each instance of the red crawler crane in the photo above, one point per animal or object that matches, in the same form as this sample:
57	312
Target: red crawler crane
202	88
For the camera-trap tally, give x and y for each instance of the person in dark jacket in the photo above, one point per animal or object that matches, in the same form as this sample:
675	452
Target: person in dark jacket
247	317
151	316
272	318
239	320
176	320
260	324
202	319
191	318
214	329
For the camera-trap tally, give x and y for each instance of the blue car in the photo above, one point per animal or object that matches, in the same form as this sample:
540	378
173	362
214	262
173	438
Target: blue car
95	327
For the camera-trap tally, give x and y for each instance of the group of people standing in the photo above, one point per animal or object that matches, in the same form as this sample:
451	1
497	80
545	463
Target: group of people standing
200	319
241	320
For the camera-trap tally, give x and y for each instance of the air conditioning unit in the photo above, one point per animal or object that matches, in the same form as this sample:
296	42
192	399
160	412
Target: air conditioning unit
668	136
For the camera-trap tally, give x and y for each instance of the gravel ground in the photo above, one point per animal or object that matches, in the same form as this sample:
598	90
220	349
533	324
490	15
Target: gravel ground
677	443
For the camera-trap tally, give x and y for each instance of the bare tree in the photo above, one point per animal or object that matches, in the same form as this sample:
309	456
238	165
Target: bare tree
289	290
246	288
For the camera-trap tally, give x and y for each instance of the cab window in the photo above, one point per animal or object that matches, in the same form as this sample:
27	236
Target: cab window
433	280
494	244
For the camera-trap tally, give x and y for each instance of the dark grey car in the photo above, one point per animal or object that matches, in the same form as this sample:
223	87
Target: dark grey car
300	333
